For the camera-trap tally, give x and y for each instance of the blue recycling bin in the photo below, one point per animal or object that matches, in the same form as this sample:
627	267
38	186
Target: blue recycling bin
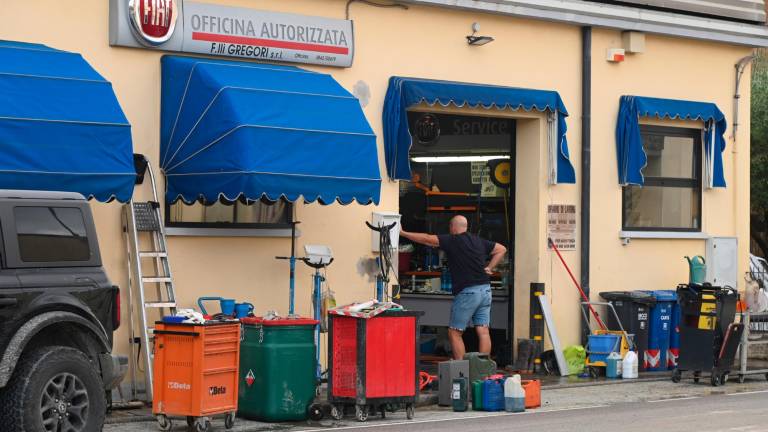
674	338
660	330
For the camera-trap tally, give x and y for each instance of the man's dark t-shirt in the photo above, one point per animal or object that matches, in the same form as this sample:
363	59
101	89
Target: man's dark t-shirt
467	257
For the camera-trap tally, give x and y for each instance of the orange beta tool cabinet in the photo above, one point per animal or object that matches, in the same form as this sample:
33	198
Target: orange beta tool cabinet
196	369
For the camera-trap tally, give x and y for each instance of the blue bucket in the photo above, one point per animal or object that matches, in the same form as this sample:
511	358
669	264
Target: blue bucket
600	346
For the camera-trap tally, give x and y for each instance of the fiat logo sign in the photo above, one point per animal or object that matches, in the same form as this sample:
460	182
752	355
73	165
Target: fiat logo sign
153	21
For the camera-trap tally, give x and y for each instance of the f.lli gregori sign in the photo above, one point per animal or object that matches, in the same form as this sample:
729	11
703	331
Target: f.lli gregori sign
202	28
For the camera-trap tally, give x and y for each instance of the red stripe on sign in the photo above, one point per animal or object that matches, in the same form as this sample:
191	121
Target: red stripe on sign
212	37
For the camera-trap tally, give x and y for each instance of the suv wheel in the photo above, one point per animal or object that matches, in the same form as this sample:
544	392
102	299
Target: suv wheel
54	389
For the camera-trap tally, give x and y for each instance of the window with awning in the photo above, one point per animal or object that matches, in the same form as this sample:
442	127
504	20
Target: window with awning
61	126
244	131
631	154
405	93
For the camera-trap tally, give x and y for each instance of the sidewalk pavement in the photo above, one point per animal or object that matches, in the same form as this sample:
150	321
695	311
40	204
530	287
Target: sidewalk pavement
555	397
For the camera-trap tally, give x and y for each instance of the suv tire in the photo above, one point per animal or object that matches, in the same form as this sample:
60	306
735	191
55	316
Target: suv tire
51	385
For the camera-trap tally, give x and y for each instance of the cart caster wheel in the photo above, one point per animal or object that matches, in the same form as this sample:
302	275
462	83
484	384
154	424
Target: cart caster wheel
337	413
229	420
316	412
164	423
202	425
190	422
715	380
677	376
696	377
361	413
741	379
409	412
594	373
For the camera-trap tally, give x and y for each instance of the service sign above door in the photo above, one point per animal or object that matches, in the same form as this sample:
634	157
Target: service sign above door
203	28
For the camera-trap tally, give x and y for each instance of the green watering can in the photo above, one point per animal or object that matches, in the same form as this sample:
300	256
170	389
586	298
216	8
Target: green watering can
697	269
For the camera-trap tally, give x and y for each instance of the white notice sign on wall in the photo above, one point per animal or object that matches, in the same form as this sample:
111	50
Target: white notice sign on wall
561	226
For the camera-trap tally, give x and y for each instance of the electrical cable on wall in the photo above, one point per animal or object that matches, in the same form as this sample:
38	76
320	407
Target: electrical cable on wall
380	5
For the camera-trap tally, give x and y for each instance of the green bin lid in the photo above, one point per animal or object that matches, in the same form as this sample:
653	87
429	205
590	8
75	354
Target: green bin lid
300	321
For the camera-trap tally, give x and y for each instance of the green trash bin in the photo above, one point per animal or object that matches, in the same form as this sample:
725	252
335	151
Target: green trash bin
277	369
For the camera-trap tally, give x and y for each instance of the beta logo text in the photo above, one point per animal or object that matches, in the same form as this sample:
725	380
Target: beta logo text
173	385
217	390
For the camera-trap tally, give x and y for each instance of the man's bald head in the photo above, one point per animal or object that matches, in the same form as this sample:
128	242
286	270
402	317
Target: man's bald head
458	225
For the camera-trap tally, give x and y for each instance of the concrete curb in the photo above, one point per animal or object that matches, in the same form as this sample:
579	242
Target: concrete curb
604	383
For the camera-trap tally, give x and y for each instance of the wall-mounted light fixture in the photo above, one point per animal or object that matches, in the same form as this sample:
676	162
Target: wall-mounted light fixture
476	40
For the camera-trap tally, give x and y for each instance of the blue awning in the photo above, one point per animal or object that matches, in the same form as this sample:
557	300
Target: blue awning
404	93
629	146
61	127
234	130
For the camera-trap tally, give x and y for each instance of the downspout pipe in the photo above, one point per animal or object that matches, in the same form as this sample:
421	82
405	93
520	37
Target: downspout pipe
741	65
586	161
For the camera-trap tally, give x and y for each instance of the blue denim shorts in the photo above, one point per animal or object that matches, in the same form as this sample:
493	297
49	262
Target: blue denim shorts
472	304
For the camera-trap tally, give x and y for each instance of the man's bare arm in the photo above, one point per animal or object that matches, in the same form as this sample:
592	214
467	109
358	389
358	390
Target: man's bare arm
496	255
422	238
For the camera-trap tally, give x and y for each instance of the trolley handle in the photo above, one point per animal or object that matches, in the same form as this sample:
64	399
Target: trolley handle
176	333
610	306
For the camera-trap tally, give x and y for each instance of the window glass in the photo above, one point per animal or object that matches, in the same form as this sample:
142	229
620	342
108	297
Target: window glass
670	199
51	234
662	207
669	156
230	215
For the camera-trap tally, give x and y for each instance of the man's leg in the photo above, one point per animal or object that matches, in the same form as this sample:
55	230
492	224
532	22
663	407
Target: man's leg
464	305
457	343
482	320
484	339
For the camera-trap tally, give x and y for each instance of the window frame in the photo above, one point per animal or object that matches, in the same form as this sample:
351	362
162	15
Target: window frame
228	225
696	183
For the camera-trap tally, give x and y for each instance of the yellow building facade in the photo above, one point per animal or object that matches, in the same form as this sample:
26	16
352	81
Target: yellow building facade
429	41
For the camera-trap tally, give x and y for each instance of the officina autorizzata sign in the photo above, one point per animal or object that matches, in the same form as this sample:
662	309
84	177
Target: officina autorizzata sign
202	28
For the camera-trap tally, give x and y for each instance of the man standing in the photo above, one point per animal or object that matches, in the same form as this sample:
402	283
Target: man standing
467	258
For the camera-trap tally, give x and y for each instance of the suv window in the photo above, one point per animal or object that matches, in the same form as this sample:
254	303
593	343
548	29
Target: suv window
50	234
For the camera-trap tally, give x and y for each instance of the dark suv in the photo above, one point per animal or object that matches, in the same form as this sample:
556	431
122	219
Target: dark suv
58	311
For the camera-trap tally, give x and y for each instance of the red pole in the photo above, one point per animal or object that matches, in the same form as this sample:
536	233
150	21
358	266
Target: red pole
581	291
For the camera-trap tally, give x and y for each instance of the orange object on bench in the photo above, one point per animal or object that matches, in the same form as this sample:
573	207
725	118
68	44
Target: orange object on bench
532	393
196	369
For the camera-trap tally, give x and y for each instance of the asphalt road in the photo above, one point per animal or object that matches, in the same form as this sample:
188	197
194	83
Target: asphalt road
742	412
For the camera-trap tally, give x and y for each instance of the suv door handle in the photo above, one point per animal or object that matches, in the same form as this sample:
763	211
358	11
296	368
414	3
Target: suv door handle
8	301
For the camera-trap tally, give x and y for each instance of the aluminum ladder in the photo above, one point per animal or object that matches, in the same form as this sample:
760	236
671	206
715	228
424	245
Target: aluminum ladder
150	296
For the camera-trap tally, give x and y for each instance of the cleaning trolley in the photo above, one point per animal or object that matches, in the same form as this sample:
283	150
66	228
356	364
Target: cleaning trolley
602	341
709	338
196	368
372	359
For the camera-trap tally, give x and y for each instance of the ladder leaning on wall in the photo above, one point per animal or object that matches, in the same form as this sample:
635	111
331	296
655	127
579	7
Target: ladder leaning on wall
151	292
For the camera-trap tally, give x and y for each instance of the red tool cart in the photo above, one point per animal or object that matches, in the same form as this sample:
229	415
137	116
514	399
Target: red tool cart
373	363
